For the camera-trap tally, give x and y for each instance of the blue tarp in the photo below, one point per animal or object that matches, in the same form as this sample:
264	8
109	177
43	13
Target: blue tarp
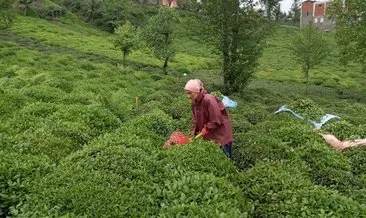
317	125
228	102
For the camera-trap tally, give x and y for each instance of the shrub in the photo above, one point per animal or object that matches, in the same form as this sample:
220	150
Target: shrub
39	109
120	103
308	109
11	101
17	170
110	178
240	125
201	195
357	157
131	137
255	113
343	130
43	93
93	119
48	9
211	158
63	84
312	201
161	96
251	148
327	166
296	135
265	180
157	121
179	108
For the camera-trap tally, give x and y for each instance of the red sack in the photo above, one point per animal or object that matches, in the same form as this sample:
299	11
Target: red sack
177	137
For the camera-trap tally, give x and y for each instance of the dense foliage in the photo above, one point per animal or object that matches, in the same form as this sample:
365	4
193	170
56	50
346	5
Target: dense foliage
350	16
238	32
82	135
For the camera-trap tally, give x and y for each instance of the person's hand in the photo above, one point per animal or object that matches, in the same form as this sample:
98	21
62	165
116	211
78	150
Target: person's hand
193	132
204	131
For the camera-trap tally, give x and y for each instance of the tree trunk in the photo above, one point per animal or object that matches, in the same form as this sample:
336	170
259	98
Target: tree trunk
306	72
234	56
125	53
269	13
165	65
226	49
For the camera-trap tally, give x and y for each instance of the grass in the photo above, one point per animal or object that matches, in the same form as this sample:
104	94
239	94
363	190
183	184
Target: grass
278	64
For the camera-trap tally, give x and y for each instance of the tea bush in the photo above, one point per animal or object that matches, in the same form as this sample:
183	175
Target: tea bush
357	157
179	107
313	201
344	130
10	101
296	135
17	170
266	179
111	175
43	93
255	113
327	166
120	103
94	119
250	149
202	195
308	109
39	109
157	121
211	158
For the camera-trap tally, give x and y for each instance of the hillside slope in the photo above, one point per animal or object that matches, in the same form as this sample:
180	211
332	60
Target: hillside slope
81	135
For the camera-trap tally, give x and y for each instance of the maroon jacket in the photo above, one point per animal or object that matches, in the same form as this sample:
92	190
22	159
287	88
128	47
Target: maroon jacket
209	112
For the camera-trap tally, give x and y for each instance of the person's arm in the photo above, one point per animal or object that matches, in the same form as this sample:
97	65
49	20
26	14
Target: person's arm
333	141
193	122
215	117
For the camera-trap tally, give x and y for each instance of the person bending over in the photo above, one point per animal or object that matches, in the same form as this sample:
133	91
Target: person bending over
210	119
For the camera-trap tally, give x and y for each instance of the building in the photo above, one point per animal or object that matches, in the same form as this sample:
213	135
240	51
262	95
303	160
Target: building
316	11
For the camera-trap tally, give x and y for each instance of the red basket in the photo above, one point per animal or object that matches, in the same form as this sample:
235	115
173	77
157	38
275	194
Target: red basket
177	137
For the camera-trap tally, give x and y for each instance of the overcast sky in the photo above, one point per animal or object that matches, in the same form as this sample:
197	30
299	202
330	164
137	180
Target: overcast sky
286	5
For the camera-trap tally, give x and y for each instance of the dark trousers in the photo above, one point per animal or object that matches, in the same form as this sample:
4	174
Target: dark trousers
227	150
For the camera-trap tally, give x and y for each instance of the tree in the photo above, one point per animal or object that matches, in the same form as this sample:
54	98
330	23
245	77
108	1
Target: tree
295	11
159	34
350	17
310	48
6	12
270	6
238	32
126	38
25	5
278	14
92	9
192	5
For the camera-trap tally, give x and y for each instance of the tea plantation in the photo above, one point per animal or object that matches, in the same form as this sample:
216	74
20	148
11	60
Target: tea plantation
82	134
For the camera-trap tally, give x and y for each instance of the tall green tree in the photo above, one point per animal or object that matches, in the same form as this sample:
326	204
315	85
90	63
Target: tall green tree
350	17
159	34
310	48
238	31
126	38
6	12
295	11
270	7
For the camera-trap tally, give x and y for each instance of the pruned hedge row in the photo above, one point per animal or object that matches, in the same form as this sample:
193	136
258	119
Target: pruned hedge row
127	173
289	170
